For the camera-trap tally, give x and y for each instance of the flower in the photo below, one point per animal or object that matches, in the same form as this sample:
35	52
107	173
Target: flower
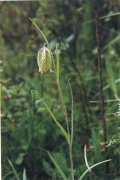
44	60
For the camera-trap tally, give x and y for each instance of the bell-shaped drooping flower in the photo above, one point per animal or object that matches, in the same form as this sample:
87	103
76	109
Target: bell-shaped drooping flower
44	60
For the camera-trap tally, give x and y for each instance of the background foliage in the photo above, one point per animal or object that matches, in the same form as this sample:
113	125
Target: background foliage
27	129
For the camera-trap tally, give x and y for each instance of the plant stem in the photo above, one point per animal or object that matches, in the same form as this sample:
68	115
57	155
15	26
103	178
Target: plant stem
0	118
100	73
88	170
39	30
102	103
71	161
68	129
63	106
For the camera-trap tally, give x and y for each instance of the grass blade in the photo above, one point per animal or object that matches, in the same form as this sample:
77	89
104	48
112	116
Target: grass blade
57	64
110	15
14	170
85	157
104	17
4	177
57	166
71	112
39	30
88	170
24	175
111	78
115	40
57	123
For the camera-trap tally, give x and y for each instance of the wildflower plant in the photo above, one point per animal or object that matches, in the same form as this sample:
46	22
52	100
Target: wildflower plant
46	62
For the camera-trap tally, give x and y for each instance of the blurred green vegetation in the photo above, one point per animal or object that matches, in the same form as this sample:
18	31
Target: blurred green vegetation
28	131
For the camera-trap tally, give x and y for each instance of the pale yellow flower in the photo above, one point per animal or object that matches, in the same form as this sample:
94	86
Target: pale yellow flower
44	60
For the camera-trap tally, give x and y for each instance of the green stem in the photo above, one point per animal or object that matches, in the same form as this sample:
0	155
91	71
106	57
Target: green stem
68	130
63	106
45	39
88	170
0	114
71	161
39	30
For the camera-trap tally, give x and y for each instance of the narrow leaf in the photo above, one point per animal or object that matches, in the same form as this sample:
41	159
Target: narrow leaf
104	17
85	157
57	64
111	78
24	175
115	40
39	30
72	118
4	177
57	123
57	166
14	170
88	170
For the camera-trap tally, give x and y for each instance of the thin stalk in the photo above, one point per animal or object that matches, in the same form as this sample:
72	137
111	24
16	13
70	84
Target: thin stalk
63	106
104	17
106	101
71	112
85	157
88	170
45	39
100	72
71	161
68	129
14	170
71	142
99	58
86	108
70	134
39	30
0	118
